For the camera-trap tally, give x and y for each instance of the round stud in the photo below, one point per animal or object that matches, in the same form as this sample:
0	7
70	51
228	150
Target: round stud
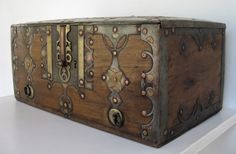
81	82
82	96
114	53
49	86
143	92
81	32
144	55
65	104
41	39
49	75
126	82
139	29
181	111
200	48
173	29
14	31
91	41
115	100
145	133
143	75
41	65
27	46
165	132
104	77
183	47
166	32
91	74
95	28
144	113
18	92
48	32
145	31
29	79
115	29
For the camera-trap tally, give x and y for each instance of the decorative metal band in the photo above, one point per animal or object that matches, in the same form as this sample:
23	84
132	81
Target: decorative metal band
15	61
150	33
64	49
115	39
88	57
49	52
28	63
81	55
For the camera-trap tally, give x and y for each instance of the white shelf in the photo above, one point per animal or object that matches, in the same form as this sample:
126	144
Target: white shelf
28	130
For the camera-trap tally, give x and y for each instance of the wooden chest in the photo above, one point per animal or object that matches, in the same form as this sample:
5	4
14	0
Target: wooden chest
149	79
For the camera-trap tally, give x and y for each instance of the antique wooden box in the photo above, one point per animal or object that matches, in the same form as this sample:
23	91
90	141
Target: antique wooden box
148	79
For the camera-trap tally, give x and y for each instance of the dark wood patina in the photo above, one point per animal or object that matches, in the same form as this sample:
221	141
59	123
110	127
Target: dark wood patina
148	79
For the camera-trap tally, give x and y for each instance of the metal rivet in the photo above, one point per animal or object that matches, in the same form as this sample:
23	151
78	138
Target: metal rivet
138	28
165	132
144	55
166	32
81	81
173	29
115	100
48	32
81	32
14	31
114	53
144	113
104	77
126	82
49	86
145	133
95	29
41	39
183	47
18	92
29	79
181	111
200	47
91	73
42	65
143	92
27	46
91	41
49	75
82	96
115	29
145	31
143	75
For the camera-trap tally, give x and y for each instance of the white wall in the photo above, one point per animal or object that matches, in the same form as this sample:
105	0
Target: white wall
19	11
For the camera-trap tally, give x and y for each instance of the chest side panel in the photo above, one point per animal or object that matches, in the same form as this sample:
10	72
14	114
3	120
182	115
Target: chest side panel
195	77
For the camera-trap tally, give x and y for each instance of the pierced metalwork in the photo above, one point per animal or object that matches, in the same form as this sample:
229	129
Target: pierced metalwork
64	56
149	81
66	105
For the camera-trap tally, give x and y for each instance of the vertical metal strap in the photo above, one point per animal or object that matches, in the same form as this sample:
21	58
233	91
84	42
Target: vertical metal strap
81	56
49	51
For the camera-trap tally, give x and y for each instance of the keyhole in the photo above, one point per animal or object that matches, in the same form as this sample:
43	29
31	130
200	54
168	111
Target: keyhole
75	64
116	118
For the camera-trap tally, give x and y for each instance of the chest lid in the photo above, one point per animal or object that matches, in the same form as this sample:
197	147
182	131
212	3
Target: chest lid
164	21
